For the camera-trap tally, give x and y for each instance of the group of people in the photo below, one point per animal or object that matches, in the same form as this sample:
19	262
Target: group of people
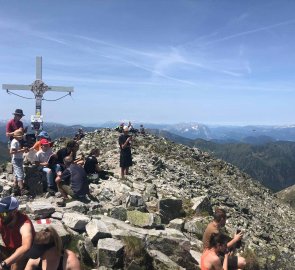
218	248
25	249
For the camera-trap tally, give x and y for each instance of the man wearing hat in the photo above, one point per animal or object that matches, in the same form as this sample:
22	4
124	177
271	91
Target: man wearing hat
17	232
15	124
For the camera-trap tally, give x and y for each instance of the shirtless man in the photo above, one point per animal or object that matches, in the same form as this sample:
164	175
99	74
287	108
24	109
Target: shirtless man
210	258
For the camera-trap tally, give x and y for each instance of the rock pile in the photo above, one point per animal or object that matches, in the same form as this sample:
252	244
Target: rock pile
155	217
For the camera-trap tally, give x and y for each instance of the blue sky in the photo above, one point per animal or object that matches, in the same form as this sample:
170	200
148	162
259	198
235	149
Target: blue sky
212	62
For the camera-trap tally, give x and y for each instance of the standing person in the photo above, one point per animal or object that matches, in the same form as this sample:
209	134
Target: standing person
15	124
219	220
43	158
125	152
17	232
17	161
210	258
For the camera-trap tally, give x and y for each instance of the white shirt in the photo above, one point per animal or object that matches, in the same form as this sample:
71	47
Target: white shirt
42	156
16	145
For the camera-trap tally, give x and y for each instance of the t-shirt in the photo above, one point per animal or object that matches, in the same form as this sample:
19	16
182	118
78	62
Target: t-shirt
12	126
11	235
42	156
90	164
76	177
211	228
61	154
15	144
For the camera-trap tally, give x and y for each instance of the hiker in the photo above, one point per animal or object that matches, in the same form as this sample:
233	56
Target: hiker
15	124
73	181
219	220
79	135
91	166
48	164
47	253
70	150
125	152
17	232
142	130
42	135
17	160
217	247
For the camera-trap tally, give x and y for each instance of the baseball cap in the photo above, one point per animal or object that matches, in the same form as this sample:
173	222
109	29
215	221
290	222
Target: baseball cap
44	142
8	204
43	134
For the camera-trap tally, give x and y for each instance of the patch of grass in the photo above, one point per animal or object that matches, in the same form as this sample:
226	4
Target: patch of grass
135	254
251	260
187	207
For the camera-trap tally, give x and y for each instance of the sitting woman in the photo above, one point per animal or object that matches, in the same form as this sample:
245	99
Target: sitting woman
47	253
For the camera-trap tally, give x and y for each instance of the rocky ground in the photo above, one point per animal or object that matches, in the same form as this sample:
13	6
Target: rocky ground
154	219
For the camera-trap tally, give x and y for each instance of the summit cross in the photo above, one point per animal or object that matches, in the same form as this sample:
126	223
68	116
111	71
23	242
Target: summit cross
38	87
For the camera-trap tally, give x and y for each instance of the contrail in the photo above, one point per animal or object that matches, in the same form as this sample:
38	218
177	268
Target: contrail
251	31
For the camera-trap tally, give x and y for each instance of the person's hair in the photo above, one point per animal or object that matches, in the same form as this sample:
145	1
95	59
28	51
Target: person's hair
217	238
71	144
68	160
93	151
219	214
55	238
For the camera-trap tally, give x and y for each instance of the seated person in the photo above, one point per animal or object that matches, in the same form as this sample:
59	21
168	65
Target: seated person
44	160
70	150
91	166
47	253
73	181
210	259
79	135
42	135
17	233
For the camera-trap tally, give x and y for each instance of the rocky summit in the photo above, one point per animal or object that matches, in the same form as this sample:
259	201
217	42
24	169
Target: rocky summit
155	217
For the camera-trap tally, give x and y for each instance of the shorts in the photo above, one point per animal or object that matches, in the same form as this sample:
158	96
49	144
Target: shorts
18	169
232	262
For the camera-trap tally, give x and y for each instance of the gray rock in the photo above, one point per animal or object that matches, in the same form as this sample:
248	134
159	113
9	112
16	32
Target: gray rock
40	208
110	253
75	220
162	262
177	224
170	209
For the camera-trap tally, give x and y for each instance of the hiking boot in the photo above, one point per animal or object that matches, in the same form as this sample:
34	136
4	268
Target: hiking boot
51	191
61	202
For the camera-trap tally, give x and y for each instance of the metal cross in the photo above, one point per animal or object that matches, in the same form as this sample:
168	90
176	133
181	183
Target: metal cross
38	87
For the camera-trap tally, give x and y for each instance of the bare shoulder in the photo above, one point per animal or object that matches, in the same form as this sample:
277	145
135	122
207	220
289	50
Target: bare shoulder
71	261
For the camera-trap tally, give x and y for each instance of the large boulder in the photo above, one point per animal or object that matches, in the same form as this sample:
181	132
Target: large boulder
170	209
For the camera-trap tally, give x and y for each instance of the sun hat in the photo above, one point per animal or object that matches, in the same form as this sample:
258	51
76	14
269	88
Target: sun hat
125	128
18	133
19	112
43	134
44	142
8	204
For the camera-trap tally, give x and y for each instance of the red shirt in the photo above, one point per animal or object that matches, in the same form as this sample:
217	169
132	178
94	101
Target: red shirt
12	126
11	235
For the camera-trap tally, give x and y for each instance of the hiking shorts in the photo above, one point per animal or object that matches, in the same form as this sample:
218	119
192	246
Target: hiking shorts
18	169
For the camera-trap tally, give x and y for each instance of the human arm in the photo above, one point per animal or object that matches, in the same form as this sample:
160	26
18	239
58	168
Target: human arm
15	150
27	240
237	237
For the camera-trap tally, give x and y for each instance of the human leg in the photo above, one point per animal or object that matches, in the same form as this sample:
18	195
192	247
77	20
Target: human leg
50	259
33	264
49	177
